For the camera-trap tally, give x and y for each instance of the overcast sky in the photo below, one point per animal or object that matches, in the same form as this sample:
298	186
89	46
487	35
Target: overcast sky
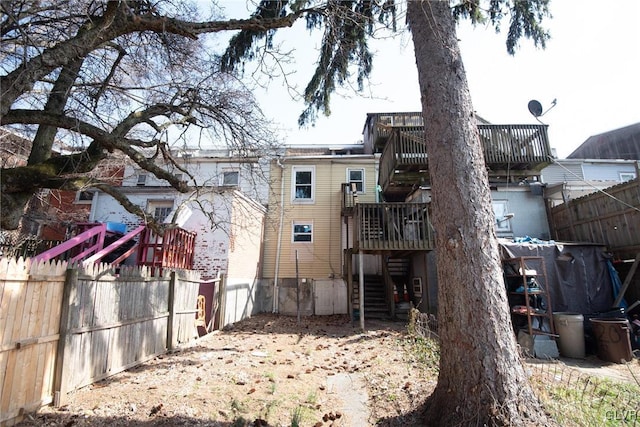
590	66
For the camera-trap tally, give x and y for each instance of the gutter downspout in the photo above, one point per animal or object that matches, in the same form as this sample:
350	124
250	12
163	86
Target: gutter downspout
279	244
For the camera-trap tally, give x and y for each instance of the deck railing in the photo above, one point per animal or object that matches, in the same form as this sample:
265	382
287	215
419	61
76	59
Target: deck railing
126	242
383	123
404	149
349	198
174	249
515	143
392	226
504	146
81	246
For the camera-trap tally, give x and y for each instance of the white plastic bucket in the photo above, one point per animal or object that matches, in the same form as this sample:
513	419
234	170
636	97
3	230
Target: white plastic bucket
570	328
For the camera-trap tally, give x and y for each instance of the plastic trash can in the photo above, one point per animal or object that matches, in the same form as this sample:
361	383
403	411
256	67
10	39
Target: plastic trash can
570	328
612	339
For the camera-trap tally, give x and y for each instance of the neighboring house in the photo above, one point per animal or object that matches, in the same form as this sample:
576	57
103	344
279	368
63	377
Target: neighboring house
568	179
226	211
306	236
622	143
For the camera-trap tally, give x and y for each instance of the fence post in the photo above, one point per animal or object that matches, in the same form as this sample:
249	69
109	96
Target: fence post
64	363
172	338
222	301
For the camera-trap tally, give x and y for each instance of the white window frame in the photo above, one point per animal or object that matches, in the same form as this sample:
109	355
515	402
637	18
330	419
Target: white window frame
307	223
84	201
294	172
361	182
225	173
154	205
627	176
142	179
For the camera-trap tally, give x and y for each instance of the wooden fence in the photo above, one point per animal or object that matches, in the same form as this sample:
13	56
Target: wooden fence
610	217
62	328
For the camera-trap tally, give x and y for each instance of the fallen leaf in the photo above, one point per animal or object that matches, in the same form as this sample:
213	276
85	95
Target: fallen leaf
155	409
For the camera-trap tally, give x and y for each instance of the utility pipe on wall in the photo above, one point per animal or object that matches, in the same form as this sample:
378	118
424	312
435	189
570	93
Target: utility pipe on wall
279	244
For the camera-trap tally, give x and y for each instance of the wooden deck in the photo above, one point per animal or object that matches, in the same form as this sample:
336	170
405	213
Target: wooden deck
392	227
516	151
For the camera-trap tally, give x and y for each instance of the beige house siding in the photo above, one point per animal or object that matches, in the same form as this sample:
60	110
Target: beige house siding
321	258
244	240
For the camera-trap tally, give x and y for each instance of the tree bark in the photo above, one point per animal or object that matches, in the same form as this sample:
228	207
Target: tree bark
481	379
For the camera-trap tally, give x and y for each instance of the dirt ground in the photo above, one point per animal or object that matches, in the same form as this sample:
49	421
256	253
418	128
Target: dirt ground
269	371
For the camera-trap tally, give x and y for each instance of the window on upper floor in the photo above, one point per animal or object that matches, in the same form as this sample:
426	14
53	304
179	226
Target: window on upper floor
303	184
230	178
142	179
355	177
159	209
302	231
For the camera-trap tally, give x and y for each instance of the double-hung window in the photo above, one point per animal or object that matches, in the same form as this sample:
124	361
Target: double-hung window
302	231
160	209
355	178
303	184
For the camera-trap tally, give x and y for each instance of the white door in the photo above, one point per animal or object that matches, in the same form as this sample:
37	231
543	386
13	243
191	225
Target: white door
340	296
330	297
323	297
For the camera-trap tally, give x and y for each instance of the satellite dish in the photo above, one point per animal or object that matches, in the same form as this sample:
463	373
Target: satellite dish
535	108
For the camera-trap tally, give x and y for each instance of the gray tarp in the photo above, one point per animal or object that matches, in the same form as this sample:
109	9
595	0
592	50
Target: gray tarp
577	275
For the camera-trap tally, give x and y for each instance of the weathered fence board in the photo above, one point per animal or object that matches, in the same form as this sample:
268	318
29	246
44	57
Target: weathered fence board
123	320
62	328
29	323
611	217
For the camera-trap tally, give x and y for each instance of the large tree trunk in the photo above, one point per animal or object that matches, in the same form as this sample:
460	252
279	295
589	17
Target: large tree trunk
481	379
15	203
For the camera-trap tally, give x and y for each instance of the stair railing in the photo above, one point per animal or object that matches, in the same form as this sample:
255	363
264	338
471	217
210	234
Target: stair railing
93	237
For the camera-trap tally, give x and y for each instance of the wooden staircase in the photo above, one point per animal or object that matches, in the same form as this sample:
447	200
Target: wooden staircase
375	302
398	270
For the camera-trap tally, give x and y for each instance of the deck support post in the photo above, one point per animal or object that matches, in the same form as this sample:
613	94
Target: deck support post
361	287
